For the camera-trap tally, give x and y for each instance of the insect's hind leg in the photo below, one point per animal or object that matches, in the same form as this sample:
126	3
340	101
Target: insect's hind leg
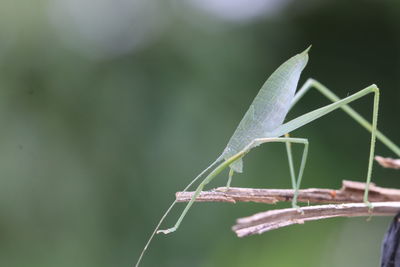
325	91
315	114
311	83
288	141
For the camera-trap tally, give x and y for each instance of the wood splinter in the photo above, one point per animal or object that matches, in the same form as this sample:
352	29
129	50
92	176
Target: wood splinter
388	162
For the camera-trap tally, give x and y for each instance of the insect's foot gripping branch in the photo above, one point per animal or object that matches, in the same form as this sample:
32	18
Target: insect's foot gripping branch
298	209
370	209
369	205
224	189
167	231
366	200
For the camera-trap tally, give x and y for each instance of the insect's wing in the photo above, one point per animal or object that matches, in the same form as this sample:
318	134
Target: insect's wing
269	107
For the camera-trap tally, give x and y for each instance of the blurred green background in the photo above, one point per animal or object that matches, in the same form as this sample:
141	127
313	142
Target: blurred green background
109	107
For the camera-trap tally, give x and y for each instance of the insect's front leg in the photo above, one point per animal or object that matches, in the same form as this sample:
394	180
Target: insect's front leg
288	141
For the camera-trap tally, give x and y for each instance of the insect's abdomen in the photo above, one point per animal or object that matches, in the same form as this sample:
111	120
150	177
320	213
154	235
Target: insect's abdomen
269	107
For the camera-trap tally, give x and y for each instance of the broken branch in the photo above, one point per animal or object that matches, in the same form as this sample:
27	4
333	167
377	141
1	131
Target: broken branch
273	219
388	162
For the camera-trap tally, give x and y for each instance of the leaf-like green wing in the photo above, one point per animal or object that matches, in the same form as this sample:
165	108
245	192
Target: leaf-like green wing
269	107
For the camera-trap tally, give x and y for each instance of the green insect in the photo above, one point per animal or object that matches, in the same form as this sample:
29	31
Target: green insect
264	123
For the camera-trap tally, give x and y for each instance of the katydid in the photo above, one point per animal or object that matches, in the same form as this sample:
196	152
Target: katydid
264	122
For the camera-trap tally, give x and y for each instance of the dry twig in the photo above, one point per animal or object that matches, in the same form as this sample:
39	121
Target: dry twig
350	192
273	219
388	162
386	202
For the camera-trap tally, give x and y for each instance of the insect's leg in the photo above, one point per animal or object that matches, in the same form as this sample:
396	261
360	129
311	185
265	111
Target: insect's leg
183	214
372	147
200	187
313	115
230	175
288	141
232	159
301	171
311	83
290	160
